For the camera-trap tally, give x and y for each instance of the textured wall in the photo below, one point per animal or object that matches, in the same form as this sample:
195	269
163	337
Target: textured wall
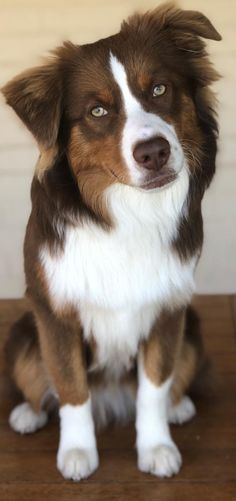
28	29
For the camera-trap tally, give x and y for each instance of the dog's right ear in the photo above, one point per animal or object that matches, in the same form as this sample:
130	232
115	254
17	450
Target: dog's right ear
36	97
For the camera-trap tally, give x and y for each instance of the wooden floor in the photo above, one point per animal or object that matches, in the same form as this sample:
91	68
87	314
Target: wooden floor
208	443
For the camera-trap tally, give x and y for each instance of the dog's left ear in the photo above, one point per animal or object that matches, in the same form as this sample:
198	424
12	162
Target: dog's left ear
36	97
188	21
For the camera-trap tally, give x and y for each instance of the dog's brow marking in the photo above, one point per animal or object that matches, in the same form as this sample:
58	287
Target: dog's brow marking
120	77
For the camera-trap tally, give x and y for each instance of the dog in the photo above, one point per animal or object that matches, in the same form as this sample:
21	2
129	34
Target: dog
127	134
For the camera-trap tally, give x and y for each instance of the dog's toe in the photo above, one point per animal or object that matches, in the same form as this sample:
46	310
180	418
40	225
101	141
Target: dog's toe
182	412
76	464
24	420
162	460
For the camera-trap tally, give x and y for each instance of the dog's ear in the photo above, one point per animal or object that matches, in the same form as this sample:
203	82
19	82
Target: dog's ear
187	21
36	97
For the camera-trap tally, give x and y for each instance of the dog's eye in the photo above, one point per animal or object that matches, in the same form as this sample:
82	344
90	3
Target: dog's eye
98	111
159	90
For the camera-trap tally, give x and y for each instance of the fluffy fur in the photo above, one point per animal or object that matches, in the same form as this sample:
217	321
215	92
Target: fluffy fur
114	238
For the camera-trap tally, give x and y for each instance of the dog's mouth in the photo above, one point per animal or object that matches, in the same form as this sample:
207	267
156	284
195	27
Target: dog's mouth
161	179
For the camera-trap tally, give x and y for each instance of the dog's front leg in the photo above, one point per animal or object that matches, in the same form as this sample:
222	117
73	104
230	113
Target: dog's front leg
157	452
62	351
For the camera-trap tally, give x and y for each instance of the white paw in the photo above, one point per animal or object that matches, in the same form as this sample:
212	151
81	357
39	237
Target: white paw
76	464
24	420
182	412
162	460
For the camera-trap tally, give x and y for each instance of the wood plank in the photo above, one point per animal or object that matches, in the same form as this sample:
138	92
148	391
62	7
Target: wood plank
195	435
155	490
208	466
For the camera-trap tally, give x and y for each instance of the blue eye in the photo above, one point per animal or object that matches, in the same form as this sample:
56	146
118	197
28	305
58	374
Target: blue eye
159	90
99	111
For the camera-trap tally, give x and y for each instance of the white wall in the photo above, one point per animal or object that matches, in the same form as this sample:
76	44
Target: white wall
28	29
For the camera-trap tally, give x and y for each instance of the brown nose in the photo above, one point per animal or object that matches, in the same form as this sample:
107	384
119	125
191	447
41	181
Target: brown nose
152	154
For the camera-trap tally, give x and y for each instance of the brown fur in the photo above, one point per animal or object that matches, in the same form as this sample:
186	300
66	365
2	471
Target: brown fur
36	97
94	180
160	351
46	159
25	363
64	356
191	358
30	377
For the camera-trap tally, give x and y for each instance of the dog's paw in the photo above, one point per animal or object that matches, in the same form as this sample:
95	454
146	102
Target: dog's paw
162	460
76	464
182	412
24	420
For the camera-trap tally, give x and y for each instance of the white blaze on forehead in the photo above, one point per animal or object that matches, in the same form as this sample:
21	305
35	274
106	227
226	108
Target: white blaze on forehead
120	77
142	126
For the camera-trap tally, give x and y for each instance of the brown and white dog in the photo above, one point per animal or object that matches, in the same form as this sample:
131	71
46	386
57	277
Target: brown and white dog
127	135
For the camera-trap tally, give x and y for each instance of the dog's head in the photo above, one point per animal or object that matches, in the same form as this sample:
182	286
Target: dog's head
133	108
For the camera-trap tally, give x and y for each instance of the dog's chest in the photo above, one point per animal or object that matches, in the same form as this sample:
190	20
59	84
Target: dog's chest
119	280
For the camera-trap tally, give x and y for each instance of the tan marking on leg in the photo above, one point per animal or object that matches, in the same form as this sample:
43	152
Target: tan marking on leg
162	348
30	377
63	354
185	370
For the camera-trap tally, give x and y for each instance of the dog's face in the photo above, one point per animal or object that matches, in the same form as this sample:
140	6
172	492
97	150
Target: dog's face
127	113
125	108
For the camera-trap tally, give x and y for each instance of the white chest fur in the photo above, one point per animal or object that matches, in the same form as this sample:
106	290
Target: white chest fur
120	279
